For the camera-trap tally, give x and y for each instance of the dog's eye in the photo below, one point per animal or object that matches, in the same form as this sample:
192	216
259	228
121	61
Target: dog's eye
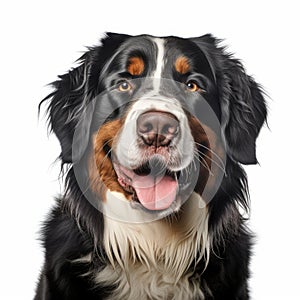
192	86
124	86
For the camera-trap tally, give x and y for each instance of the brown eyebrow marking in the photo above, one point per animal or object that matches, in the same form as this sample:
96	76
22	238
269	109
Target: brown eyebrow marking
136	66
182	65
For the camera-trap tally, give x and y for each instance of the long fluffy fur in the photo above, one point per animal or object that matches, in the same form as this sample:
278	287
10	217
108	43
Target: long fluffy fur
153	259
203	255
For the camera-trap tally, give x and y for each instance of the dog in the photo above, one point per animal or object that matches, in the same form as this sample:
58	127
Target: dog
153	132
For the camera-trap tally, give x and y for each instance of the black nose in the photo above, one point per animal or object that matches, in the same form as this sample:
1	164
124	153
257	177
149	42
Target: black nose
157	128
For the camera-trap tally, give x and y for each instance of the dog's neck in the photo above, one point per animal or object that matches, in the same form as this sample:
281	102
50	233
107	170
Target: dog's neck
155	260
173	243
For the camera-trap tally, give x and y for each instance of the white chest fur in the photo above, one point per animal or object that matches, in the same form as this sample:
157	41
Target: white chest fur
153	260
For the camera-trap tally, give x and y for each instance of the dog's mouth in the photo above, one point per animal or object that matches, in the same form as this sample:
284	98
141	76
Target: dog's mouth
152	184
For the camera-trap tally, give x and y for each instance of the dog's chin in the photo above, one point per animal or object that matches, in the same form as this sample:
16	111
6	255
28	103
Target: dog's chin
153	186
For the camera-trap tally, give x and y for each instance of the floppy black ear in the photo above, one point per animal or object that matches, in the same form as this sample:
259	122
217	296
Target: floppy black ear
67	109
242	102
66	106
244	113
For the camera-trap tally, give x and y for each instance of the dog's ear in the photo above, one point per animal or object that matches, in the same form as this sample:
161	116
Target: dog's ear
69	107
66	105
244	113
243	106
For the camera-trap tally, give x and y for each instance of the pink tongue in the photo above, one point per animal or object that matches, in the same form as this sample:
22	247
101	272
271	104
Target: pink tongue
155	193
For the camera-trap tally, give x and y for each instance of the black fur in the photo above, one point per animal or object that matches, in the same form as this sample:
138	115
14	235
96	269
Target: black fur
68	237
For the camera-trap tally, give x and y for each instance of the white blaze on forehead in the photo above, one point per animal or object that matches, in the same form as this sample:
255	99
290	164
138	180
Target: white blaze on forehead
160	43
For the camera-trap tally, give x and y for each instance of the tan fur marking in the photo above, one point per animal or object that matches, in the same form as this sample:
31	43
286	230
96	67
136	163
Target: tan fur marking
205	136
200	136
136	66
182	65
101	171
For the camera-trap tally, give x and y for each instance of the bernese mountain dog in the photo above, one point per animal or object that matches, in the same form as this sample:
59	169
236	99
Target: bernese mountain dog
153	132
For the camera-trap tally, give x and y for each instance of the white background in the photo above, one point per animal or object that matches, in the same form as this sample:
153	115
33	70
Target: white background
40	39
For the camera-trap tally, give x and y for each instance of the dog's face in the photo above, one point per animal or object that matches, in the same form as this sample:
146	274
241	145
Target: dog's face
152	80
160	110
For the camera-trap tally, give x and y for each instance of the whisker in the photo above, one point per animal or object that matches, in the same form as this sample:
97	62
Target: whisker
105	157
222	167
105	144
213	152
188	169
204	164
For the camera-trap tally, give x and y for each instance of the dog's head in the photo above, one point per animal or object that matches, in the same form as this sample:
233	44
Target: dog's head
149	115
